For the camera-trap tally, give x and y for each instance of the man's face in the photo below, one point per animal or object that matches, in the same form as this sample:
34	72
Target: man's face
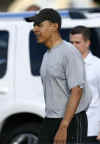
79	42
43	31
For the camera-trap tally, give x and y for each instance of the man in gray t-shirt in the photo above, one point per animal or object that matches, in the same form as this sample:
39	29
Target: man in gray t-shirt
63	77
62	69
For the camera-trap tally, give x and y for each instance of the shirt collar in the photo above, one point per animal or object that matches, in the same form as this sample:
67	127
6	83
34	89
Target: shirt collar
88	59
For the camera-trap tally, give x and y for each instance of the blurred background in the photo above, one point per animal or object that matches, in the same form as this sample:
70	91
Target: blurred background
27	5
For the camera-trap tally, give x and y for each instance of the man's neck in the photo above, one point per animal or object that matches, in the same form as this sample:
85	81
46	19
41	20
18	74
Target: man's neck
84	55
54	41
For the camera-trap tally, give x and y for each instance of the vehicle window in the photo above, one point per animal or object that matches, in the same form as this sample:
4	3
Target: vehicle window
3	52
95	41
37	50
36	54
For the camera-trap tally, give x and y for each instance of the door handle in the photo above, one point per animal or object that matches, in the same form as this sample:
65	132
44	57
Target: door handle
3	90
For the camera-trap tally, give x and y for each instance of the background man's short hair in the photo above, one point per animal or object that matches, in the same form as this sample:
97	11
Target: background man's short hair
85	31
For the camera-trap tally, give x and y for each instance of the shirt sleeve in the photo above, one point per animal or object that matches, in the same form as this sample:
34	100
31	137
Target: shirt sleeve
74	69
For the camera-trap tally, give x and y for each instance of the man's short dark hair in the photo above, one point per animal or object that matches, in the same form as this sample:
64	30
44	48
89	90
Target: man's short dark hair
46	14
85	31
97	1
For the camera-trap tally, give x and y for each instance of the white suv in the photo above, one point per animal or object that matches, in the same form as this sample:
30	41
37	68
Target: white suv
21	94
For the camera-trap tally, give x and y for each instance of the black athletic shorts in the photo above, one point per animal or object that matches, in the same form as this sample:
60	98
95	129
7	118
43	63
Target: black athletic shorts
76	132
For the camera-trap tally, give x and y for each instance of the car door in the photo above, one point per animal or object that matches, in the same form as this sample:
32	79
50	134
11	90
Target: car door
7	56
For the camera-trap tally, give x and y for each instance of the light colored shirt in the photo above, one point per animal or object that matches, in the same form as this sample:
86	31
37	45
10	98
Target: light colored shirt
62	69
92	64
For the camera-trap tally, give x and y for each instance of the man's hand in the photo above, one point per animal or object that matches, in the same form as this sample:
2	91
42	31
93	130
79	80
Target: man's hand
61	135
98	137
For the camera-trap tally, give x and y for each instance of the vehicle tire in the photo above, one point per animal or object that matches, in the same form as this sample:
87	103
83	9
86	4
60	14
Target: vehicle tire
22	134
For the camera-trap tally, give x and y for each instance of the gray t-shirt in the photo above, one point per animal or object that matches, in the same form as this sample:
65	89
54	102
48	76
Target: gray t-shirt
62	69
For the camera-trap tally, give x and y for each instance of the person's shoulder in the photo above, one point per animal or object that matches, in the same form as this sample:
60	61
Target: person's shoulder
96	59
96	63
67	44
70	49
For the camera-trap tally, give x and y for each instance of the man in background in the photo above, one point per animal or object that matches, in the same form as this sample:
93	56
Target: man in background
80	38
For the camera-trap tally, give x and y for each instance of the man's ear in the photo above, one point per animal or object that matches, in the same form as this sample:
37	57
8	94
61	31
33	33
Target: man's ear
88	42
55	27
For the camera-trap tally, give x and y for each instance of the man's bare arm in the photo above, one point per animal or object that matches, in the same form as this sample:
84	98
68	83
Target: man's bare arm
72	105
74	99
